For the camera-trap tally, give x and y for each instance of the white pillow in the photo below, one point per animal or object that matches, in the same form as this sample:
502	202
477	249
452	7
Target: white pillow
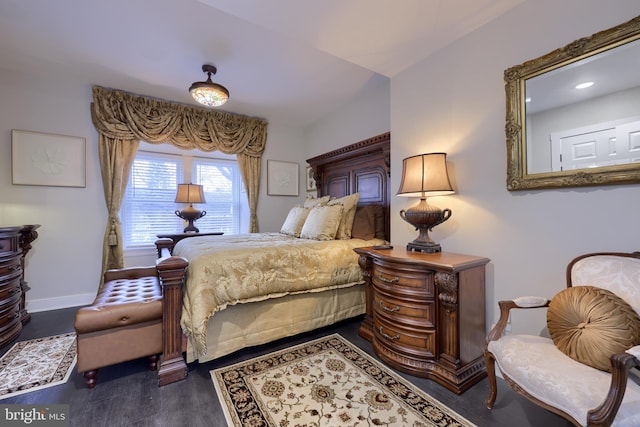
349	204
311	202
295	220
322	223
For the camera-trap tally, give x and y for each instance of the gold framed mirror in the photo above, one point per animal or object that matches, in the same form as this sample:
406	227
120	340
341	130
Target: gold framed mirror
561	136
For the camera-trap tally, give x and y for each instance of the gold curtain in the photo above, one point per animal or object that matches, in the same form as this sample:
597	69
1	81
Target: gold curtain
123	119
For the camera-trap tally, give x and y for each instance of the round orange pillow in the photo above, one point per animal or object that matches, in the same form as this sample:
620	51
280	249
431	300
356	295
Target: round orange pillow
590	324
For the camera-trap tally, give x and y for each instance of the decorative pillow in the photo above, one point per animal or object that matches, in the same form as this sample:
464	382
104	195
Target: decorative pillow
322	223
364	223
295	221
349	204
311	202
381	230
590	324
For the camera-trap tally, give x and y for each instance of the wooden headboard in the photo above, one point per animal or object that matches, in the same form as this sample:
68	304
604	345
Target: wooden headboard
363	167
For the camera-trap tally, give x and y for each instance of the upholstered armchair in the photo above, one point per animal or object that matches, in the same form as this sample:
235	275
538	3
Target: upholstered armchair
588	370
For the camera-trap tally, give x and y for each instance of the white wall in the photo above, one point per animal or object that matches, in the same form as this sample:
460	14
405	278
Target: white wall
283	144
365	116
63	268
455	102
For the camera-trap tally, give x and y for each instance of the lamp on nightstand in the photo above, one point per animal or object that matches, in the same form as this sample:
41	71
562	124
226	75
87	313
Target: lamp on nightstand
425	175
190	193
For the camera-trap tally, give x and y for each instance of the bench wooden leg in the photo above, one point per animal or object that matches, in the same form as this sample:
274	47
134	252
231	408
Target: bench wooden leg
153	362
91	378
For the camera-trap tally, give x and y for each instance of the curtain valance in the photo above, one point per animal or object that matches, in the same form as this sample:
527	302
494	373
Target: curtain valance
122	115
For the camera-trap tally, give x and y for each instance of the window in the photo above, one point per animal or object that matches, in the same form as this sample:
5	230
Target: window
148	206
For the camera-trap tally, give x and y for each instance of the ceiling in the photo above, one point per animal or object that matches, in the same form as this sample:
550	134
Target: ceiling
287	60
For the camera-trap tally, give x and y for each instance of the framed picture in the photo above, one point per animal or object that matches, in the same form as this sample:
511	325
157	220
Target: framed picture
311	182
282	178
47	159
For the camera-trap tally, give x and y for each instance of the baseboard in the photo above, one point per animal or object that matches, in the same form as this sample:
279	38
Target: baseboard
46	304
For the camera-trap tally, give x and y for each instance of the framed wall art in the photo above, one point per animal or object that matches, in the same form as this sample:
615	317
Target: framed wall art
282	178
47	159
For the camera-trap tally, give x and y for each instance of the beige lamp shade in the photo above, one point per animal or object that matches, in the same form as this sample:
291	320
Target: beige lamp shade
425	175
190	193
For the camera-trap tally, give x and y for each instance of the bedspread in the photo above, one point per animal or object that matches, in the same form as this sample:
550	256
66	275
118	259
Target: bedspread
227	270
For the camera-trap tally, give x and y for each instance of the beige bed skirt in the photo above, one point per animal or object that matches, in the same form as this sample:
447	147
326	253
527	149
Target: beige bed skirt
246	325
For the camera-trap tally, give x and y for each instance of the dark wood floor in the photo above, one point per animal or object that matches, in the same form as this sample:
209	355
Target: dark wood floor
128	395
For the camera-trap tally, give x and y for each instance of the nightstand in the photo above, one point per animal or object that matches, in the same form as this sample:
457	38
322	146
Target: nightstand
426	313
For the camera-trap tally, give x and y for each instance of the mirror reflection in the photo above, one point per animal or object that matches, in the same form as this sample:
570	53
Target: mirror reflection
585	114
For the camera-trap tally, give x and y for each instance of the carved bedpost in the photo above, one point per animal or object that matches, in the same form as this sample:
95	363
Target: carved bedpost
164	247
172	273
366	329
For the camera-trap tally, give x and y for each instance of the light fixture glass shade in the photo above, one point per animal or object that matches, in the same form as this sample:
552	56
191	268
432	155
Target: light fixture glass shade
190	193
425	175
209	93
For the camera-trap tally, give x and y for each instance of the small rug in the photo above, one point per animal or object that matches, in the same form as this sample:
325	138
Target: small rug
37	364
326	382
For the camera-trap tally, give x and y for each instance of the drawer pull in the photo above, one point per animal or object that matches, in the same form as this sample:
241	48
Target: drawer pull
385	308
385	280
389	337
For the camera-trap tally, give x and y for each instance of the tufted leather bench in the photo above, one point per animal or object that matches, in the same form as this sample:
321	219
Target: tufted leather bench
123	323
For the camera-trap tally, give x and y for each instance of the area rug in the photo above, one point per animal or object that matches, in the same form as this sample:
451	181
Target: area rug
326	382
37	364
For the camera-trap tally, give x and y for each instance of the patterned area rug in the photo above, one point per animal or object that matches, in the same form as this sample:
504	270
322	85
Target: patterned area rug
37	364
326	382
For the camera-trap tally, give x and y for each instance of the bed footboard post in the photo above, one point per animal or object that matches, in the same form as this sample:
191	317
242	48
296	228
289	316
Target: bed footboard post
366	329
172	366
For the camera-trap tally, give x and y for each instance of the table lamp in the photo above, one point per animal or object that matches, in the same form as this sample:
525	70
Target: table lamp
190	193
425	175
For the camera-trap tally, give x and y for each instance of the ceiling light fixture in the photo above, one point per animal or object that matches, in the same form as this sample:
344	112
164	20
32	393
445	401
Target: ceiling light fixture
209	93
584	85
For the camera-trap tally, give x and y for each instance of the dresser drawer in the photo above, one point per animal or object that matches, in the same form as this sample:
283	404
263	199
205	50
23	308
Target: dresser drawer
10	291
9	273
9	244
10	312
419	311
404	339
9	263
389	275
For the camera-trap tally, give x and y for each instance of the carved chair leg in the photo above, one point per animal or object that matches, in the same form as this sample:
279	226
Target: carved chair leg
490	364
153	362
91	378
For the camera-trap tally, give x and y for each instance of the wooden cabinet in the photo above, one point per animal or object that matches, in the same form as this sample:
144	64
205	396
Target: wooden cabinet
15	242
426	313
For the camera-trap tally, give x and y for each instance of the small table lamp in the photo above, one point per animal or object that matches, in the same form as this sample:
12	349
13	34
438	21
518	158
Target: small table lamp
190	193
425	175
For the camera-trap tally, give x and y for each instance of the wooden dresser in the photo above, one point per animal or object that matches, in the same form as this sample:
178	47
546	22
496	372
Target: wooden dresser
426	313
15	242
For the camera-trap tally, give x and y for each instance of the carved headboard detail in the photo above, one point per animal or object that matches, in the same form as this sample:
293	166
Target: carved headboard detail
363	167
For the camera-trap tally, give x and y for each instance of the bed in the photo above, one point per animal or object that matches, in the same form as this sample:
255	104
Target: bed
228	305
